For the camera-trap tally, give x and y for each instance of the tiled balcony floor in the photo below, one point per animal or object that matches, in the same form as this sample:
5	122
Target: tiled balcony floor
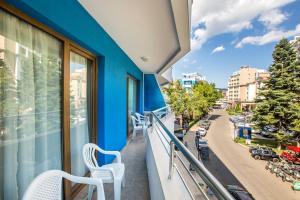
136	187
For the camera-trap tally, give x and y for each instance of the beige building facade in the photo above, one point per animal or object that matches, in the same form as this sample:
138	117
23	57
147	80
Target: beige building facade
244	85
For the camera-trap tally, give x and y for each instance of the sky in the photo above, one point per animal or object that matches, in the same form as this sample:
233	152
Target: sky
227	34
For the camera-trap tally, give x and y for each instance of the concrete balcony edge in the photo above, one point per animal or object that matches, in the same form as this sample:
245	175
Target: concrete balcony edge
157	160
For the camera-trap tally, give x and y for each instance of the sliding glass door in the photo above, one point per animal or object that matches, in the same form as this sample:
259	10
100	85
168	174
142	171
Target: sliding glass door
47	104
80	110
30	104
131	102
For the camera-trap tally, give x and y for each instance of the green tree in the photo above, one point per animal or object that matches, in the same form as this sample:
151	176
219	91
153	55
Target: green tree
178	99
278	101
204	96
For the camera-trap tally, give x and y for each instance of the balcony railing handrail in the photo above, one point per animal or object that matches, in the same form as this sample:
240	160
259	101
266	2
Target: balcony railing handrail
208	178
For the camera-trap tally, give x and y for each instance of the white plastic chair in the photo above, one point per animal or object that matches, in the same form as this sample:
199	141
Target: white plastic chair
137	126
143	119
110	173
48	185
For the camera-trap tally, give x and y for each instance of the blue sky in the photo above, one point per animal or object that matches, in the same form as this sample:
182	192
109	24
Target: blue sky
227	34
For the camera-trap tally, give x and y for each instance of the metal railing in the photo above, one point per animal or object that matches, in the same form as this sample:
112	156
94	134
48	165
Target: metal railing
212	183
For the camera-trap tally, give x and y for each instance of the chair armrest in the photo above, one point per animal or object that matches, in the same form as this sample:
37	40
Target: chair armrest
115	153
89	181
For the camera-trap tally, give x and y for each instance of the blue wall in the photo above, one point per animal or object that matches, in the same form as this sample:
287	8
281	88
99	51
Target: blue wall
70	19
153	98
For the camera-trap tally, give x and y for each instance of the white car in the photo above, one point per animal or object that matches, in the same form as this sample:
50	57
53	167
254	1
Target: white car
202	131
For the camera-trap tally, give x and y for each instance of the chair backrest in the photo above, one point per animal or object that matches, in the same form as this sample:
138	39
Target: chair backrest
138	116
89	150
48	185
134	121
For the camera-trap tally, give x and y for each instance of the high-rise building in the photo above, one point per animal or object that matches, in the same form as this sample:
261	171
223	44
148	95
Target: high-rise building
243	85
190	79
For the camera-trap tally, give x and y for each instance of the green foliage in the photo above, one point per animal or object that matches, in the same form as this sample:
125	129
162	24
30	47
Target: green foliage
178	99
194	103
278	101
235	110
204	96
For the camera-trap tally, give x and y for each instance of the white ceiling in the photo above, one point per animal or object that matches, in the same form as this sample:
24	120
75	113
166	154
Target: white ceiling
144	28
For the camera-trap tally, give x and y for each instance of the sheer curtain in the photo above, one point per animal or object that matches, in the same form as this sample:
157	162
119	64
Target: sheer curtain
79	109
30	104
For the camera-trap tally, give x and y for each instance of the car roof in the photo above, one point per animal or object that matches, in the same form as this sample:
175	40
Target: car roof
243	195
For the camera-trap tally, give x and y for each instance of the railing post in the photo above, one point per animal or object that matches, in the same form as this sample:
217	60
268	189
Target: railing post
171	167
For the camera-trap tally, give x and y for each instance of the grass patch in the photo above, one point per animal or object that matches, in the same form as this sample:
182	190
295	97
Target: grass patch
257	141
263	142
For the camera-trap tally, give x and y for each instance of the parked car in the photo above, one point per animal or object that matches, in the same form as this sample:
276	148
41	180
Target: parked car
239	193
202	131
252	148
265	154
292	155
201	143
204	124
203	153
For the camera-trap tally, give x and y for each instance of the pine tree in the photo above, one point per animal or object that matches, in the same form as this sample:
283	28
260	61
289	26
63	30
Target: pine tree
278	101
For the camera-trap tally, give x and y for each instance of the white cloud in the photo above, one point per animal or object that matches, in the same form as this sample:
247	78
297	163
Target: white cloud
211	18
193	61
271	36
218	49
272	18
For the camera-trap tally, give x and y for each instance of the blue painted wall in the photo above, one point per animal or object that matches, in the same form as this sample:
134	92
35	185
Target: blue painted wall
153	98
70	19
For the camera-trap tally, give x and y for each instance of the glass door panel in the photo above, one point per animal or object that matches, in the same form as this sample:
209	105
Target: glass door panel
30	104
80	112
131	102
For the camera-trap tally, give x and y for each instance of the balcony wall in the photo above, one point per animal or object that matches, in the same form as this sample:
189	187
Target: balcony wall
157	158
153	98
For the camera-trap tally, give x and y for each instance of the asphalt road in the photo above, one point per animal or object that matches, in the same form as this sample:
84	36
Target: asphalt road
231	163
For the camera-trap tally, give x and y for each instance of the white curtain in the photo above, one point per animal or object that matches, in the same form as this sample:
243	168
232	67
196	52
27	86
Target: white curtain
79	109
30	104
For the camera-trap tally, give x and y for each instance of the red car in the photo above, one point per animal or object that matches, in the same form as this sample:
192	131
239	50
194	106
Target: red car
292	155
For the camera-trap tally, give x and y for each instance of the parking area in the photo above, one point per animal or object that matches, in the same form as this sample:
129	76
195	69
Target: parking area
232	164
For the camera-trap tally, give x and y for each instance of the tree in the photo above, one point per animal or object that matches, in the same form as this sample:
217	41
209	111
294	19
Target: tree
193	103
204	96
178	99
278	101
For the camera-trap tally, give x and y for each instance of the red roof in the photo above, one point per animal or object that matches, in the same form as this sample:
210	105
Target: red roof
295	149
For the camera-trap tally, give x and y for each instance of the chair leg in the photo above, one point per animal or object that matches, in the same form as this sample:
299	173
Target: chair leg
90	192
117	189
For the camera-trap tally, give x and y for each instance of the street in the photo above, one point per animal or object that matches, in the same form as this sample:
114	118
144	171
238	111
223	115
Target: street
231	163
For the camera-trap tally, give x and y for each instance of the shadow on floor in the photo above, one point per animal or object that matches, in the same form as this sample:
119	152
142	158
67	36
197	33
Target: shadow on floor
136	186
220	171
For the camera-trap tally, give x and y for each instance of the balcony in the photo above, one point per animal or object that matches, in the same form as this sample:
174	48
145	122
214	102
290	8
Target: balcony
155	170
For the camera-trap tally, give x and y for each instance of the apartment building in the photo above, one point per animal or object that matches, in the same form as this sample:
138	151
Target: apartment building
243	86
190	79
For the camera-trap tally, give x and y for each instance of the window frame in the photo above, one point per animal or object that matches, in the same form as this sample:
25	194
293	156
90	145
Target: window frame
68	46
